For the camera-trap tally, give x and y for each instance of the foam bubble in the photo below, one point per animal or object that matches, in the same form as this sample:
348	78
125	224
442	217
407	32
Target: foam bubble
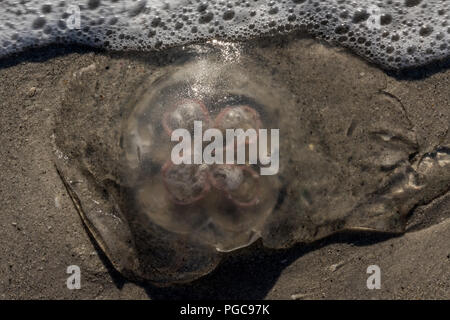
394	33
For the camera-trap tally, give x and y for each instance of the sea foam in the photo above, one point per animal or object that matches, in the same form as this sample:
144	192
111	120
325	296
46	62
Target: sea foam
394	34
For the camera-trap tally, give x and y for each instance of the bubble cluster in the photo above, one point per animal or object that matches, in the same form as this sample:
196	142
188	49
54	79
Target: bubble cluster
392	33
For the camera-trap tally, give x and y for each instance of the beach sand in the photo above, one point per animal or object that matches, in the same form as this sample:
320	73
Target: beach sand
42	233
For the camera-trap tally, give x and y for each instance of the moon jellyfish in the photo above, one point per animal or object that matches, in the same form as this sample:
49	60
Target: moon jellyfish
217	149
223	204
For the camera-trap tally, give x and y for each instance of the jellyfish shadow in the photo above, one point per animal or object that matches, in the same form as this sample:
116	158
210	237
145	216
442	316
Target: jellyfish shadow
247	274
251	273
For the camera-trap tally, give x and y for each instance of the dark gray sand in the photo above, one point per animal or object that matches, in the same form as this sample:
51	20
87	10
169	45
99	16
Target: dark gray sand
42	233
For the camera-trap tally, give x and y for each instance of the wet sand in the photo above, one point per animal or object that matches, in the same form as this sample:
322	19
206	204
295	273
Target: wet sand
42	233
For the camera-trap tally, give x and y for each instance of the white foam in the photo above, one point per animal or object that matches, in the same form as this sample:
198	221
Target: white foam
392	33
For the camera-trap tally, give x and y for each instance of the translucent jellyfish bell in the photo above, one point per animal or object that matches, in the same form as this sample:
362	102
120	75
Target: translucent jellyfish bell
220	204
